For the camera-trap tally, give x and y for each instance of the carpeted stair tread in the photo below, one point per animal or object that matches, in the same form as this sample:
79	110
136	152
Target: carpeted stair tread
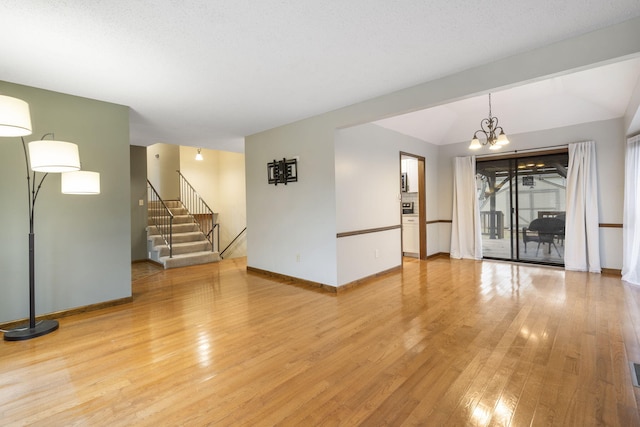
182	248
193	258
190	246
194	236
177	228
177	219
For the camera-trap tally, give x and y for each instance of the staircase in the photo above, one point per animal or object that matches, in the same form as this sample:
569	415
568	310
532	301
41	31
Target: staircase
190	245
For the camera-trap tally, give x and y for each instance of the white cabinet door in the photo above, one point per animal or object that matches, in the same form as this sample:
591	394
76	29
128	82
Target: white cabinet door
412	175
410	235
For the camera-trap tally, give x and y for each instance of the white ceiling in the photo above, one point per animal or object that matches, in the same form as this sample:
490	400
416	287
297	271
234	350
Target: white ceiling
597	94
209	72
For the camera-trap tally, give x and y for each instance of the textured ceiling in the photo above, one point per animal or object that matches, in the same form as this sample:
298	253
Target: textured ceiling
209	72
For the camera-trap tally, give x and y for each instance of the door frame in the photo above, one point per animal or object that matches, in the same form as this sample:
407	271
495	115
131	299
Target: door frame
514	198
422	204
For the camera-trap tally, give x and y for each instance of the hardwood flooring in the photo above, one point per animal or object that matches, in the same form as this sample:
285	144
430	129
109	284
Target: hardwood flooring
442	342
142	269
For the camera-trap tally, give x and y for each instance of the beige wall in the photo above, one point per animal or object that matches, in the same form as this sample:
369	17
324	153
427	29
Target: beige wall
163	160
220	180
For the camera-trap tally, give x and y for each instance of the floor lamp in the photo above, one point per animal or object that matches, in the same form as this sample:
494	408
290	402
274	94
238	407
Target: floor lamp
44	156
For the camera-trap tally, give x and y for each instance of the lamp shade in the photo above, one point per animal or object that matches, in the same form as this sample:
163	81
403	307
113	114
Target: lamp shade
502	139
475	144
80	182
54	156
15	119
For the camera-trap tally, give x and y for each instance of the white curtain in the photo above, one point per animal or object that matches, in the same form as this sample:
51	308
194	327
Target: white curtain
582	243
631	223
466	238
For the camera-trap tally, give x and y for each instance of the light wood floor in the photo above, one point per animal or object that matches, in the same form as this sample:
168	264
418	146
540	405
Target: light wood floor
443	342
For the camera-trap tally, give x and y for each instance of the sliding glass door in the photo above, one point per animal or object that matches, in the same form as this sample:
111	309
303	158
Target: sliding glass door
522	207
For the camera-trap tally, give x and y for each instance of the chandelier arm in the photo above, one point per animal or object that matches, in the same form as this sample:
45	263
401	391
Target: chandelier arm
486	136
495	123
485	126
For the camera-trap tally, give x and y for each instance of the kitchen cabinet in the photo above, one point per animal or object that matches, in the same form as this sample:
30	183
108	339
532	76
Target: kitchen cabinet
410	235
410	167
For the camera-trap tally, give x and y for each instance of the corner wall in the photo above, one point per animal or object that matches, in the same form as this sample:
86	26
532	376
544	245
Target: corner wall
220	180
367	159
291	229
83	251
139	222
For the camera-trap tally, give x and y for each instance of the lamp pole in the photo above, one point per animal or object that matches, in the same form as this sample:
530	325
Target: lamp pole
43	327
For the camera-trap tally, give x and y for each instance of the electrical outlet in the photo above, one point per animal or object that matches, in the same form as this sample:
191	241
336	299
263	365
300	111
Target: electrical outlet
297	257
376	253
141	202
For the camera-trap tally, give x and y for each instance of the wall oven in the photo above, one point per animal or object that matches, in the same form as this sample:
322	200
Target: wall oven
407	208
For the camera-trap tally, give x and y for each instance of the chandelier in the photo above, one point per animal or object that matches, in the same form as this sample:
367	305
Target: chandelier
489	127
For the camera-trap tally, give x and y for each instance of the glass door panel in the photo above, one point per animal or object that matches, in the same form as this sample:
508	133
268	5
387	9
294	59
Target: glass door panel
541	193
493	182
522	206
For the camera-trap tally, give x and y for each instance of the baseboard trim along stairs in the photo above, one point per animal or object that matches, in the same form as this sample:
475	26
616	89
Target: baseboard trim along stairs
190	245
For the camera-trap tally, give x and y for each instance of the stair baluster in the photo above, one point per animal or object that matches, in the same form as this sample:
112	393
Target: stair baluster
202	214
162	218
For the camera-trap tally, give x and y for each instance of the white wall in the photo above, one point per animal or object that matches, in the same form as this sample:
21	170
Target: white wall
220	180
83	250
367	159
291	229
302	218
609	136
632	114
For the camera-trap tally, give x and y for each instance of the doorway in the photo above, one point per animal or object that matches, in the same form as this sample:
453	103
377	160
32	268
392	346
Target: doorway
522	207
413	205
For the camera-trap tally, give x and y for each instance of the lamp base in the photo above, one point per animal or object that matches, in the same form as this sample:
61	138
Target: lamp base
24	332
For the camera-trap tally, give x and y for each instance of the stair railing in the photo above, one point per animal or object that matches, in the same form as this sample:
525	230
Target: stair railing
233	241
160	216
201	213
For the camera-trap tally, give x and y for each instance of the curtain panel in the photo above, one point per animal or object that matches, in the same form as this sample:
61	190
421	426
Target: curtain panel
631	223
582	243
466	237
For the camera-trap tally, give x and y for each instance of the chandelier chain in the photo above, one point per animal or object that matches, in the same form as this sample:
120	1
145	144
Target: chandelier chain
489	105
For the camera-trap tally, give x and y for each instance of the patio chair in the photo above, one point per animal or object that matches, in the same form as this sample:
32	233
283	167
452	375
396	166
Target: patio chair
543	230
